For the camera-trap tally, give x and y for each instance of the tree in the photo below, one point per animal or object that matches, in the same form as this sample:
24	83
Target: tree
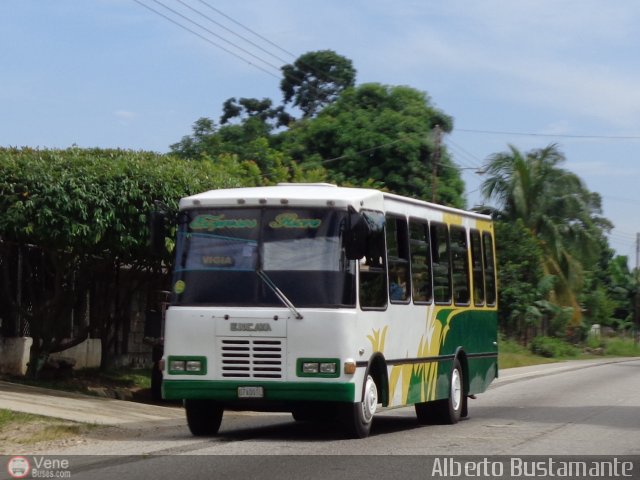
77	220
315	80
245	147
520	277
203	140
622	286
267	116
558	210
371	135
382	136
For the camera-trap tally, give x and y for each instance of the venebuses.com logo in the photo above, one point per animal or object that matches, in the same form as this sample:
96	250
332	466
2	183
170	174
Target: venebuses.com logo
18	467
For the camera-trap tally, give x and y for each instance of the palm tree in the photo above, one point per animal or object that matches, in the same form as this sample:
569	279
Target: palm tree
557	209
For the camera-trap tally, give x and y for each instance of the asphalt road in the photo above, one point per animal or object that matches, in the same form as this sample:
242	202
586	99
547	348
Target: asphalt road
574	408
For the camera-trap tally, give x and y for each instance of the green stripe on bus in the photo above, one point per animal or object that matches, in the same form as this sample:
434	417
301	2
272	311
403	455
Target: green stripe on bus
276	391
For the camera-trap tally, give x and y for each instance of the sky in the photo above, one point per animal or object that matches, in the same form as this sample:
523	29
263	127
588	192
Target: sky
527	73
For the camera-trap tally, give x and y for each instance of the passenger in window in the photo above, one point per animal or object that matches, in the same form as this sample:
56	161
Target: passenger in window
398	286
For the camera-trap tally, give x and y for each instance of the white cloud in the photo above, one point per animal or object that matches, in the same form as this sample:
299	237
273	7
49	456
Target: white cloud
535	56
125	117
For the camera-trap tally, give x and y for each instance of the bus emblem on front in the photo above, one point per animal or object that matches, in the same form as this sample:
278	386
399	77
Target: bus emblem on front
250	327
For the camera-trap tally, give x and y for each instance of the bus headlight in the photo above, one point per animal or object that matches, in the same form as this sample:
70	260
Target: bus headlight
194	366
327	367
310	367
318	367
177	366
187	365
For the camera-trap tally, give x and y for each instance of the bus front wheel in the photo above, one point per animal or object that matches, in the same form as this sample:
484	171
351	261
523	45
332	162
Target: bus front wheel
203	417
360	414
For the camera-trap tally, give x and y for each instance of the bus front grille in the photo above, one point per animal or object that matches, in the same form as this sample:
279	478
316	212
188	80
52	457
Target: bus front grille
260	358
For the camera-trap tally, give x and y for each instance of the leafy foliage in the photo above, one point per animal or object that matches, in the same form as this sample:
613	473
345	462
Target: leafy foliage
95	201
368	136
262	110
380	135
315	80
76	217
556	208
619	287
520	277
552	347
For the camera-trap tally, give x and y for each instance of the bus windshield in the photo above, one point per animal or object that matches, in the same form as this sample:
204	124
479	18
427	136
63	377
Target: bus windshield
220	253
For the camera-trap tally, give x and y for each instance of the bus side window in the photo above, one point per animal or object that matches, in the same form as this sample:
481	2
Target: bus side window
420	261
373	267
398	259
440	256
489	268
460	265
477	268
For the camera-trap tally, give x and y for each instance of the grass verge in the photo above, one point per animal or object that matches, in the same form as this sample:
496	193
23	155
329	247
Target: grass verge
18	430
512	354
88	381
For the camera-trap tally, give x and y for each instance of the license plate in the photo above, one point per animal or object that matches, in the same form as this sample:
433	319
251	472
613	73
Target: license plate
250	392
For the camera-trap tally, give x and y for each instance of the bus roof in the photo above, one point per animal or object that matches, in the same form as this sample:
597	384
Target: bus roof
309	195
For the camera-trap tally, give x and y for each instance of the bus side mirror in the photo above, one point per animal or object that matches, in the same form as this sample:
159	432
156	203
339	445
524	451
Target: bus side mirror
356	236
158	230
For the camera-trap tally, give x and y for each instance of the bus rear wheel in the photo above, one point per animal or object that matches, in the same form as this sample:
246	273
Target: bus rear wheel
449	410
203	417
359	415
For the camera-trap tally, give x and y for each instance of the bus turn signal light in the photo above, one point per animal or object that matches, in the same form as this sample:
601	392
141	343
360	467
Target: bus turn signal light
349	367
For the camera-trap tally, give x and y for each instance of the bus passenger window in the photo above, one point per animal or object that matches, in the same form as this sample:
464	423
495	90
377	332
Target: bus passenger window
477	268
373	267
398	259
489	268
441	263
420	262
460	265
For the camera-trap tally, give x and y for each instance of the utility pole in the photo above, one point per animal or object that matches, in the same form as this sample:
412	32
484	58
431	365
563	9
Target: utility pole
636	326
434	167
637	251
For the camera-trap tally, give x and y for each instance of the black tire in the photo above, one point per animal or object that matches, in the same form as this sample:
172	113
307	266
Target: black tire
203	417
359	415
464	413
449	410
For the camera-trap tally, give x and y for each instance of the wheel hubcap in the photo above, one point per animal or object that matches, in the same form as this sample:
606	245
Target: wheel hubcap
370	400
456	389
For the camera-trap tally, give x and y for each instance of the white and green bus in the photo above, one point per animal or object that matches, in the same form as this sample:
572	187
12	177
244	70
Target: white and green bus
328	302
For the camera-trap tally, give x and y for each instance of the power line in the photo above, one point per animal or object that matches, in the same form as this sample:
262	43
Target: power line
275	67
312	68
229	30
404	138
550	135
205	38
620	199
327	75
219	12
622	235
469	156
463	158
367	150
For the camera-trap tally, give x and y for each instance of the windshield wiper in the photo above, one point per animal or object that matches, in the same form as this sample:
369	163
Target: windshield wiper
283	298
